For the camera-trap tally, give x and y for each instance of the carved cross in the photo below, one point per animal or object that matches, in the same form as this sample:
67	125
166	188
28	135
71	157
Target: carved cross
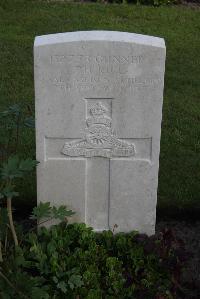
100	146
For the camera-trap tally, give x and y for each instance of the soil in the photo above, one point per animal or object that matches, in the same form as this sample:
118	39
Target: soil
189	232
191	3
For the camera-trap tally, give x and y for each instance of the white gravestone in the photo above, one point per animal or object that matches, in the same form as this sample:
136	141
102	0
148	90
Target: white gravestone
99	98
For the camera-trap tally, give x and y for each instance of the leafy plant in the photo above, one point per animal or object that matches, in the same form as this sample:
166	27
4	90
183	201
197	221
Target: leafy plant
10	171
45	212
12	274
12	168
72	261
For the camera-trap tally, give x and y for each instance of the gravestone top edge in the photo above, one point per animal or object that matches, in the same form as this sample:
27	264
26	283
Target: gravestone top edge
99	35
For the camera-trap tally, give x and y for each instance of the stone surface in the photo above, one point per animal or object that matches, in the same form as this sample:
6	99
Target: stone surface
99	101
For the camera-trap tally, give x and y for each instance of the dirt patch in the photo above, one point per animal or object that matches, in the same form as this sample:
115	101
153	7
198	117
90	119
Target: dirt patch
191	4
190	234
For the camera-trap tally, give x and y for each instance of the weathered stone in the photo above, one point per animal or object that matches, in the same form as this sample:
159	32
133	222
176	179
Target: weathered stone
99	101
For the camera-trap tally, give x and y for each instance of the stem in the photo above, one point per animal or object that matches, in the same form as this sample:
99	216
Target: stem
40	223
12	227
1	256
17	133
44	221
6	240
8	143
3	150
30	110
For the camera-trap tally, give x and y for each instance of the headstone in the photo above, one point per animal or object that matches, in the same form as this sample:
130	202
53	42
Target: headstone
99	98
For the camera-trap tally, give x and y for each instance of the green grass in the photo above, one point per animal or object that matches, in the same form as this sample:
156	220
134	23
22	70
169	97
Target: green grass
21	21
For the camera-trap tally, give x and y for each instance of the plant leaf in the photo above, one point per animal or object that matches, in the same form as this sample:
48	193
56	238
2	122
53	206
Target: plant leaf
43	210
29	122
27	165
10	169
61	213
8	191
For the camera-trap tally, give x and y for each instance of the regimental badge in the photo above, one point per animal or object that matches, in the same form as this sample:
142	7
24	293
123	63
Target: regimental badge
100	139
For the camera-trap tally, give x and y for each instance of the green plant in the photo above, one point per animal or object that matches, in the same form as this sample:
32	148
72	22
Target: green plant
11	171
20	282
72	261
12	168
44	212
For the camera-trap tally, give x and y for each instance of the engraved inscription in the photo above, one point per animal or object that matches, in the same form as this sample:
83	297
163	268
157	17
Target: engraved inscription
115	59
105	83
100	139
101	65
94	73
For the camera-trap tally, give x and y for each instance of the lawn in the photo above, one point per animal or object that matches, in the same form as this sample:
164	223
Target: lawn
21	21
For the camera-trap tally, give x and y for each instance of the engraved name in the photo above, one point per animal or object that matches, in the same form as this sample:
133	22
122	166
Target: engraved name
115	59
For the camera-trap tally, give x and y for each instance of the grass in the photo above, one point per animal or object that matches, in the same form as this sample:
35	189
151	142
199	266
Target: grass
21	21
